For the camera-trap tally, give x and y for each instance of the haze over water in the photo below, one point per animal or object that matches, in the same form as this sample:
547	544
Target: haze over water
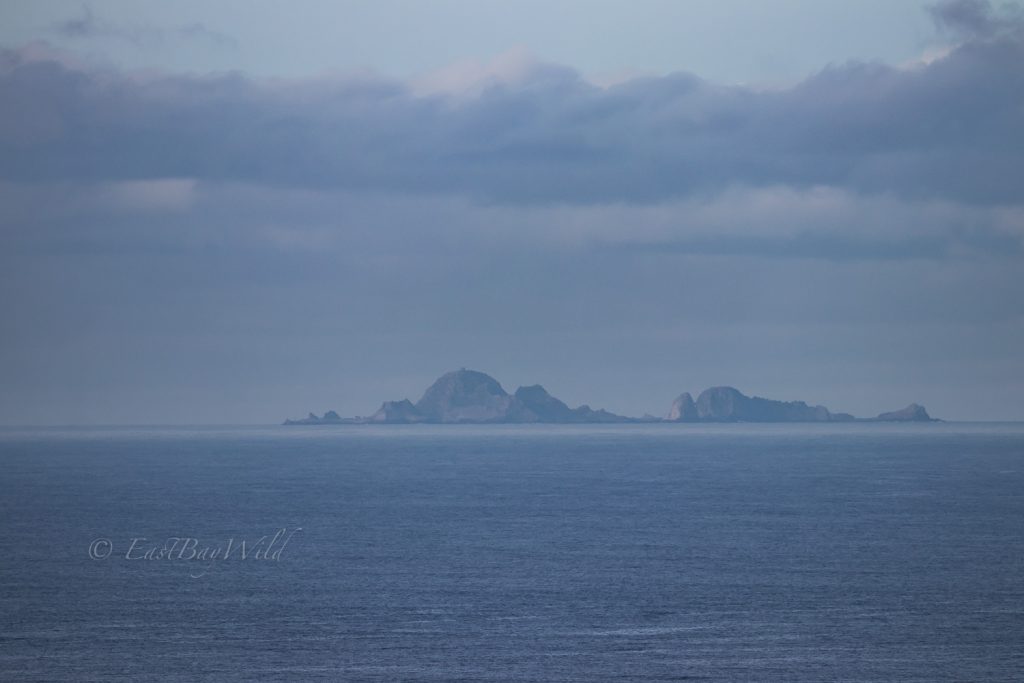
713	210
233	212
518	553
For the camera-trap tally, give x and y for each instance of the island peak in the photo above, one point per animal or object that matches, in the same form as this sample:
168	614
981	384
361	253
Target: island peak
470	396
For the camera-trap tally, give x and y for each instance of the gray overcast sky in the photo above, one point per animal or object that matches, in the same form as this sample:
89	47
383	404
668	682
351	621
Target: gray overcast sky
238	212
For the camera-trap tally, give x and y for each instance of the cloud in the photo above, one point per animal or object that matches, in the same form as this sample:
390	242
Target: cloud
301	299
270	247
165	194
535	133
472	77
90	26
977	18
84	26
778	223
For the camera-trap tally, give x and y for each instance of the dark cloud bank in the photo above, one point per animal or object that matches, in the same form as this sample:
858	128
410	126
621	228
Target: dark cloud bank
214	248
948	129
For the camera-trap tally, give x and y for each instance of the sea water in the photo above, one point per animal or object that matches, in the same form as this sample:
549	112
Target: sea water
516	553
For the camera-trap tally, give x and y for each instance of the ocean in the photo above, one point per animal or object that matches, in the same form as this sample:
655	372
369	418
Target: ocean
859	552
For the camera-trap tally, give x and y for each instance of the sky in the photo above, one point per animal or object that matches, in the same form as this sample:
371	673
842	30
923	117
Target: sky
238	212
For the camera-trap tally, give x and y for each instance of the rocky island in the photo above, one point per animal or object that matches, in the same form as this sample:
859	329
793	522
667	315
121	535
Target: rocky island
471	397
726	404
468	396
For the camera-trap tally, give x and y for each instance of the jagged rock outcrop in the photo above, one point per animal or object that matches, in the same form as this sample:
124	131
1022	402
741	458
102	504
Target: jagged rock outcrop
330	417
683	409
311	419
537	403
912	413
468	396
396	412
465	396
726	404
586	414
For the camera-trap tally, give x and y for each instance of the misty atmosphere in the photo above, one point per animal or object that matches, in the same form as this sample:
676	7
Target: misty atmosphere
193	235
488	341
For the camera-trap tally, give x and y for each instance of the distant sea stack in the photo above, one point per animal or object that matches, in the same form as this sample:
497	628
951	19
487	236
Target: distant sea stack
683	410
912	413
330	417
471	397
726	404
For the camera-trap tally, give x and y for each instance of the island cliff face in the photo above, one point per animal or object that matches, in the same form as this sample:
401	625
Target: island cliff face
725	404
728	404
396	411
468	396
683	410
912	413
